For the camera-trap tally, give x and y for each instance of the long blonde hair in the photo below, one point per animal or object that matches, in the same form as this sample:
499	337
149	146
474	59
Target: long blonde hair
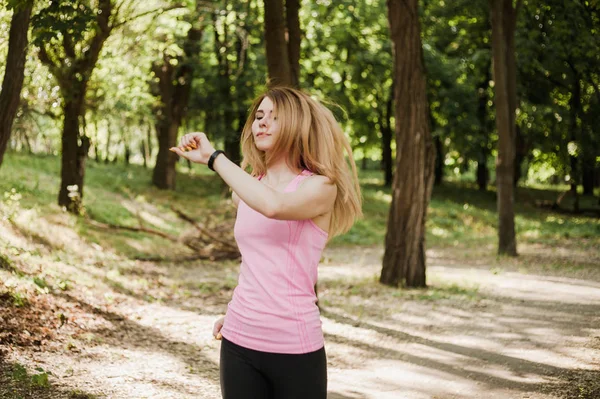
312	139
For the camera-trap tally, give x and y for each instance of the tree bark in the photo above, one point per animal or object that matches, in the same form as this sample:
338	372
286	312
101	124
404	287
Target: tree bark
294	33
404	258
14	72
278	61
503	17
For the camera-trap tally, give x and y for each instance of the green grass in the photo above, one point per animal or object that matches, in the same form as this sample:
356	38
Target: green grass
459	214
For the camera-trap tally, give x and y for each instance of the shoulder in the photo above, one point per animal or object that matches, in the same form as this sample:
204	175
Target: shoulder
318	183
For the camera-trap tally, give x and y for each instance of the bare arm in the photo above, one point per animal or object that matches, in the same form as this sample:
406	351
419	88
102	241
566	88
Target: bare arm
235	199
313	198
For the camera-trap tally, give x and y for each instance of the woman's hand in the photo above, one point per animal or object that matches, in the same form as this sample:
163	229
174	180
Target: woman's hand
217	328
194	147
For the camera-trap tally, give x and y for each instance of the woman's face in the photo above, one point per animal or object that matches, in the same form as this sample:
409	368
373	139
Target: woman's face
265	126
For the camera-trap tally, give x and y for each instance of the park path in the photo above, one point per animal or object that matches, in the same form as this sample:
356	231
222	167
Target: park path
514	335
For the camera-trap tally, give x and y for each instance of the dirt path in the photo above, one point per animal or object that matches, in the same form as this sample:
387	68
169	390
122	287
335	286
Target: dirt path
480	332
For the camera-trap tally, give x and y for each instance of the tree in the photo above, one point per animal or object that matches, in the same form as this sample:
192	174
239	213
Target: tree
404	258
70	36
283	55
14	71
504	18
174	75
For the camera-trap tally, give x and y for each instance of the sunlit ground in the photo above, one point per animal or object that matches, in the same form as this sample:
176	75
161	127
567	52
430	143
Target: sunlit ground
106	325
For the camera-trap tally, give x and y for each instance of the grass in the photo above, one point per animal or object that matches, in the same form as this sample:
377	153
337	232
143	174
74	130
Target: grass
459	214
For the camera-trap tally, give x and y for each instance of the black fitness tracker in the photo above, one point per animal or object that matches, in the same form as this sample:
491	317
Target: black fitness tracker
212	158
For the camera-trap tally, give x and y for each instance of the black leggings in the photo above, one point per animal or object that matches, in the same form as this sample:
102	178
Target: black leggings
250	374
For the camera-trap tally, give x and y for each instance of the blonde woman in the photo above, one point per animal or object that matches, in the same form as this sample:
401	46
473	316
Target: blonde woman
300	193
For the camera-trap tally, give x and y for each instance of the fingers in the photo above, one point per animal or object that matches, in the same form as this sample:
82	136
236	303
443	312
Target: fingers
188	143
217	329
178	151
192	141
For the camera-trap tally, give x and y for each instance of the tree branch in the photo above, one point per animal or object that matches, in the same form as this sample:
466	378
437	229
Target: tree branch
46	60
159	11
68	45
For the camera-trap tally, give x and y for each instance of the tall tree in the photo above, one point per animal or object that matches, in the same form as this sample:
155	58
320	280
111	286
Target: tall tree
404	258
174	74
504	19
14	71
70	36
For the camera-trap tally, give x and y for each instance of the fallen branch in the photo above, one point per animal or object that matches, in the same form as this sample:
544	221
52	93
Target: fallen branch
204	251
203	230
134	229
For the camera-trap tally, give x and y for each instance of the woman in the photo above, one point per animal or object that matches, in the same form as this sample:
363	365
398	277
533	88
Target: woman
301	192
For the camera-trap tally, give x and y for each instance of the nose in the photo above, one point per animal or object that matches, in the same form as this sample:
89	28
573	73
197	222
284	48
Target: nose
264	121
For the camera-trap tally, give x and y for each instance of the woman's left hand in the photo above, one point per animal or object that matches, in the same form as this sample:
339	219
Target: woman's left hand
194	147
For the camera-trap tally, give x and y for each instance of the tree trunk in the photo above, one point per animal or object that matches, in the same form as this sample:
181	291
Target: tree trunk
74	152
503	22
163	175
233	150
439	161
148	146
292	8
520	155
404	258
363	162
174	86
108	137
483	174
574	105
588	174
14	72
278	61
386	141
96	147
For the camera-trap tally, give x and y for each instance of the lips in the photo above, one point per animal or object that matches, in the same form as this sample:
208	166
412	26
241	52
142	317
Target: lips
262	135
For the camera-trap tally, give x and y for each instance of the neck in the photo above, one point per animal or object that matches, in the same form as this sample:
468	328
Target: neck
279	171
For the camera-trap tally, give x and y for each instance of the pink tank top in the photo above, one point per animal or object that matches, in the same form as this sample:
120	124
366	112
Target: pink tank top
273	308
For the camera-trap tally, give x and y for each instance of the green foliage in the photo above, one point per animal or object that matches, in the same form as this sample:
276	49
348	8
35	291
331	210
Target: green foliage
346	58
20	375
60	18
41	378
19	299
